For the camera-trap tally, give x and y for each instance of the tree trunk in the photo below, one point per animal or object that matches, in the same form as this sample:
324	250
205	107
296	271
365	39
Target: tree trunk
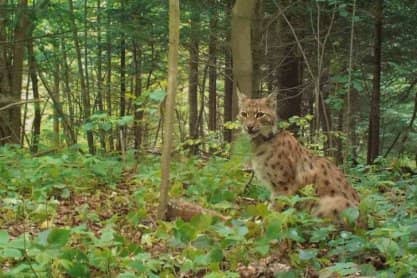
212	113
108	75
84	92
228	91
36	128
100	101
288	74
11	72
69	125
374	116
122	103
56	75
289	86
193	79
257	46
137	56
174	23
242	14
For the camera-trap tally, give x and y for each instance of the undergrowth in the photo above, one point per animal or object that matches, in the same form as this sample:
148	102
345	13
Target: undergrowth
74	215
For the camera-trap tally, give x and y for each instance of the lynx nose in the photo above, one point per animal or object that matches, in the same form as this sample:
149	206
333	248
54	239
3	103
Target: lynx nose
251	129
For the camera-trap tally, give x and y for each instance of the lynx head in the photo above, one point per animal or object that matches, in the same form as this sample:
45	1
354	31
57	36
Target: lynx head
258	116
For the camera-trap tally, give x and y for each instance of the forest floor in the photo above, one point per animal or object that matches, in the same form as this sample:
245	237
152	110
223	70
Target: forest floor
73	215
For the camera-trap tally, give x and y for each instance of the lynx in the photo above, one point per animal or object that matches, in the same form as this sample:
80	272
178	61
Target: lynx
281	162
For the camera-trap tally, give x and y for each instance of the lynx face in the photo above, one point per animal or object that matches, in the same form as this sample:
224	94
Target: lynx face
258	116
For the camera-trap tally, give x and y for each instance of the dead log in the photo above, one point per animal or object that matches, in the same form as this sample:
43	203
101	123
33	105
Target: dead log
186	210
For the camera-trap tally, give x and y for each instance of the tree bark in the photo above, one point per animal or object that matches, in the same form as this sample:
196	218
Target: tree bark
242	14
137	56
228	91
36	128
122	103
109	103
174	23
56	76
84	92
193	79
212	113
68	122
257	46
374	116
100	73
11	72
288	74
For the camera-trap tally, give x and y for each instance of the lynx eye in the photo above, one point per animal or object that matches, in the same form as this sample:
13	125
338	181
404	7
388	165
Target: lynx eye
259	114
243	114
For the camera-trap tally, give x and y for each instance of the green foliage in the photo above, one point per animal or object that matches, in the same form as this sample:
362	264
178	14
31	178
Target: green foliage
34	189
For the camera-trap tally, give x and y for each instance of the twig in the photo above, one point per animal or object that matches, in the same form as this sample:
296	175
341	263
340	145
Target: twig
19	103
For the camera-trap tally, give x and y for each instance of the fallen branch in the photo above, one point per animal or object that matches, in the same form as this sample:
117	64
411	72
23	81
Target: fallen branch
186	211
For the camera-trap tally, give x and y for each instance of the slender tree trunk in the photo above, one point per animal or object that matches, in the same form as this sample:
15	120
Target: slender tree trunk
212	117
108	75
137	56
69	125
242	14
36	131
84	92
100	73
87	78
193	79
56	75
11	72
228	92
289	74
122	102
57	106
174	24
374	116
338	155
257	46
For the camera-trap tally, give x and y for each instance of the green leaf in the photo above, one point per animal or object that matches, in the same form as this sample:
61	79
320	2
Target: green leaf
19	243
320	235
202	260
307	254
262	246
258	210
294	235
350	215
125	120
274	228
127	275
11	253
106	126
216	255
88	126
222	274
387	246
4	238
157	95
342	269
58	237
288	274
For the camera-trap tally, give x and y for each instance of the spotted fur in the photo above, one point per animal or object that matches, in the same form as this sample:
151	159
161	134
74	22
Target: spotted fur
281	162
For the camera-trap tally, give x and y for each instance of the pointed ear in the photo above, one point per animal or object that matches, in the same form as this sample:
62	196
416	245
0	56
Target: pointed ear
271	99
240	96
